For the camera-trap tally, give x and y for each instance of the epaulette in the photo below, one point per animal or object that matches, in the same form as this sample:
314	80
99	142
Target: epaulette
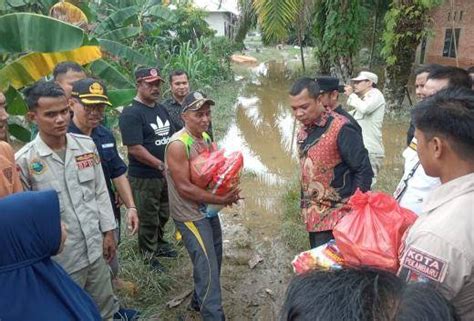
80	136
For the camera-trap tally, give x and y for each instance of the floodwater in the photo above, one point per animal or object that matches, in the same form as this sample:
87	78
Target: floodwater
264	131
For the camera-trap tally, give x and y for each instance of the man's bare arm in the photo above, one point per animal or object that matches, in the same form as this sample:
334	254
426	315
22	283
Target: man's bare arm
178	167
144	156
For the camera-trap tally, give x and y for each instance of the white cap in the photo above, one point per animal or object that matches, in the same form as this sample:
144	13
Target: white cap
366	75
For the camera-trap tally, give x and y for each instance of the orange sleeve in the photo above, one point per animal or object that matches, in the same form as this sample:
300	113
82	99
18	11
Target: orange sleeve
7	152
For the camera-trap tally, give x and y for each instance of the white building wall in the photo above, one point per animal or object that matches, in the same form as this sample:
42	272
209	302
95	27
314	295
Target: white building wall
217	22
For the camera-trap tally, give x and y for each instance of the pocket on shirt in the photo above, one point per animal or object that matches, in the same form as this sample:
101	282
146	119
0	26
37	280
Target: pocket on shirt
86	180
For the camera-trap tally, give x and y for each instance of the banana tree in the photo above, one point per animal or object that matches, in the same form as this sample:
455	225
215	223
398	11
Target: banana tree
34	45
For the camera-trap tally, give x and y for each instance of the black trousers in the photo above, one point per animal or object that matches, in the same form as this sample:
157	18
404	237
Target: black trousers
319	238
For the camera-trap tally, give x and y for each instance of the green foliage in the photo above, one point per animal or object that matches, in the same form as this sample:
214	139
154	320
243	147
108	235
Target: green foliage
16	104
206	62
125	52
405	26
275	16
107	72
32	32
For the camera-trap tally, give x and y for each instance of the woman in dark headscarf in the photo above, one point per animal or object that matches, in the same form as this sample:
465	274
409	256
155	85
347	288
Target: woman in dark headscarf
32	286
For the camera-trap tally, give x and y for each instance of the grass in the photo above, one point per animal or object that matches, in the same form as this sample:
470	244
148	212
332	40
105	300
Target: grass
154	289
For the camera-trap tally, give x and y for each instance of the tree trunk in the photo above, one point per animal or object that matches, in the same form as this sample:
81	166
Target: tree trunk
345	68
408	28
300	42
374	37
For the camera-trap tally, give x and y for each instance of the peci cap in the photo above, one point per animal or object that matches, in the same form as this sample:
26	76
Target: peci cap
366	75
328	84
194	101
148	74
90	91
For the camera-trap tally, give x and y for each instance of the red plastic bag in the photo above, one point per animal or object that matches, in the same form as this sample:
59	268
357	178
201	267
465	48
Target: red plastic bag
371	233
228	175
205	166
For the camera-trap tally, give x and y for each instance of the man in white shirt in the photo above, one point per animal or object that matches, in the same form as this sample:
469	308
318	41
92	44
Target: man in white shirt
415	185
369	109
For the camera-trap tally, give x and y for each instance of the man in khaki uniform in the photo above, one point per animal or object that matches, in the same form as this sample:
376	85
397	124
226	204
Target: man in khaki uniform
69	164
438	248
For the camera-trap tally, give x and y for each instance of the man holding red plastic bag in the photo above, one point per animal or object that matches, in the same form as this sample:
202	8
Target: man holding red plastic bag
202	235
333	159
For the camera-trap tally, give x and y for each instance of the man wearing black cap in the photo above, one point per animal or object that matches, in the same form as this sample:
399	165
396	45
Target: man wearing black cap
146	130
202	235
333	160
330	90
88	102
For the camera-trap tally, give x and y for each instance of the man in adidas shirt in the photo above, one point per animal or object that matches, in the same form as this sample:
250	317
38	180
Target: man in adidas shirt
146	130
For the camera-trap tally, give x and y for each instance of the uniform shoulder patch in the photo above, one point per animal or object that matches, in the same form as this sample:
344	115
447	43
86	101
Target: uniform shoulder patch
37	166
417	264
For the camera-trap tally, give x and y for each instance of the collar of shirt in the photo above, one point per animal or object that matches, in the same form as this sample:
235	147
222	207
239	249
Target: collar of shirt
98	131
449	191
320	122
45	150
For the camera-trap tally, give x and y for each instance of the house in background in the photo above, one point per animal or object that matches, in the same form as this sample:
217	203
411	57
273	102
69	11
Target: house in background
452	39
221	15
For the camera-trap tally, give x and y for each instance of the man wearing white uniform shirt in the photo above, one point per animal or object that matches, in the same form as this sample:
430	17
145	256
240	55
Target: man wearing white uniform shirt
369	108
415	185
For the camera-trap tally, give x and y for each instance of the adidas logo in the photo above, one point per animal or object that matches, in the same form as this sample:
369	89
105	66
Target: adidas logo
160	128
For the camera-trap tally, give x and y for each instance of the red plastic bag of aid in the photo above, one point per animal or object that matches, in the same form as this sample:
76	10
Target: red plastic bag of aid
228	175
371	233
205	166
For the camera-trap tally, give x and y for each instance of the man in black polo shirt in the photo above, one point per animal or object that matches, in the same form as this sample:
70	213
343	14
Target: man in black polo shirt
330	90
179	86
146	130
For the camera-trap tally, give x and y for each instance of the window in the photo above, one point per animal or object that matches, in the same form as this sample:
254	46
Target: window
460	15
449	16
449	38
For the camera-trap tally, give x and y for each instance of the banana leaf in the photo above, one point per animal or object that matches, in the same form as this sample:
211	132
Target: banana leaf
16	104
19	132
125	52
121	97
116	20
26	32
105	71
32	67
121	33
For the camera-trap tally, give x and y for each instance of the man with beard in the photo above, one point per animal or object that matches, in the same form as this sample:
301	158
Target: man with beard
146	129
9	179
179	86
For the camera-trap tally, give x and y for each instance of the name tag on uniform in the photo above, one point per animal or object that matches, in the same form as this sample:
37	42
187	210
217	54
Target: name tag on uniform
418	264
108	145
85	160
